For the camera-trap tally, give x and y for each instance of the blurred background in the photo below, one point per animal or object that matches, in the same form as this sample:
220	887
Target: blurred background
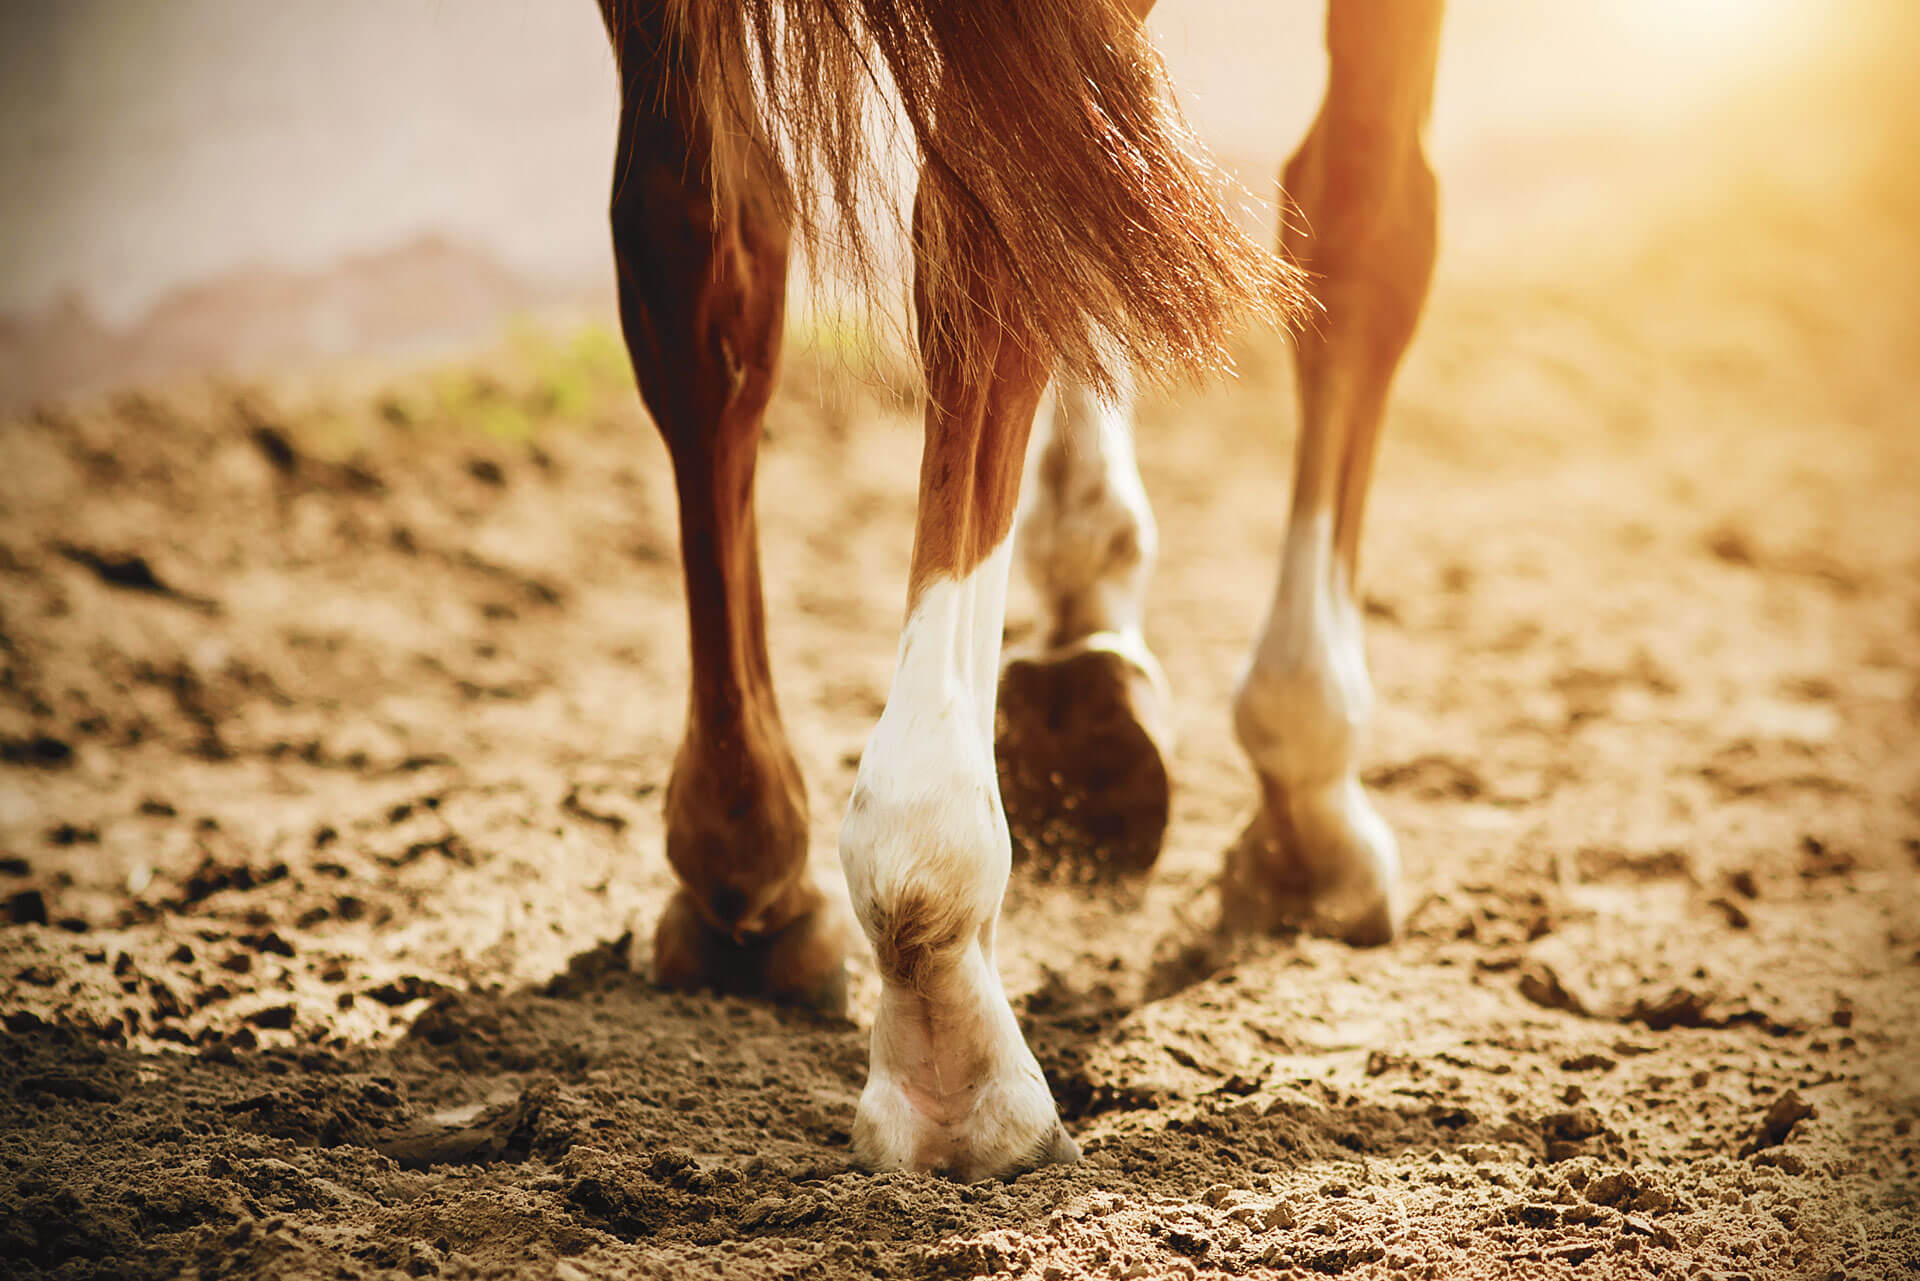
214	184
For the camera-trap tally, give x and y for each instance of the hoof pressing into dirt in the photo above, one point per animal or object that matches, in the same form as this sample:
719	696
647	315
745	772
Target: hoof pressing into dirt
1080	739
1012	1130
1334	875
804	963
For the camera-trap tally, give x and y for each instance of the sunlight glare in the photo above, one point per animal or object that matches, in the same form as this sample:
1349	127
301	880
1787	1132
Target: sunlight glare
1734	29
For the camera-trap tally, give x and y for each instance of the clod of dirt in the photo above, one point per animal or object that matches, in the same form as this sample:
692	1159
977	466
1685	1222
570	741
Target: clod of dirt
273	1017
1567	1133
409	987
1737	917
166	1005
1541	985
777	1212
504	1132
28	907
1729	544
283	457
275	448
486	471
1587	1063
133	573
1640	1224
572	804
1787	1111
1615	1187
211	877
1379	1062
130	571
269	941
1819	860
41	750
1682	1007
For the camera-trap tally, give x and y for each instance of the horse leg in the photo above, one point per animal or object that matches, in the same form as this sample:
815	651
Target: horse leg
951	1085
702	259
1317	854
1081	729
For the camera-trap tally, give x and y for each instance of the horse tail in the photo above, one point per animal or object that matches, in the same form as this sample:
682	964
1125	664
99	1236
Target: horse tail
1060	187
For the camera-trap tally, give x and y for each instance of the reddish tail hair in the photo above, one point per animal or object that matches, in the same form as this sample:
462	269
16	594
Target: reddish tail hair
1048	141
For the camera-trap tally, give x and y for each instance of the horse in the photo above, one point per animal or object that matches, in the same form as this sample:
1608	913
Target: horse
1065	230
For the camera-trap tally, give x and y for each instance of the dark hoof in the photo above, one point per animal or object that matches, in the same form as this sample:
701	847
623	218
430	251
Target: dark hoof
802	963
1079	741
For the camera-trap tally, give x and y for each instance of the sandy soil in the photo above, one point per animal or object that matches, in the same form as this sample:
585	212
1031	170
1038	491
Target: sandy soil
335	714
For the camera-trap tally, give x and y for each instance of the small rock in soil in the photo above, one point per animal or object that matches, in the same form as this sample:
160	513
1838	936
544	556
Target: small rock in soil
409	987
274	1017
28	907
1787	1111
1682	1007
269	941
1737	917
43	751
1541	985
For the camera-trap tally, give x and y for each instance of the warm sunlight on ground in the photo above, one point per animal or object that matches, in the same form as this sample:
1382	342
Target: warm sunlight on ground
1730	27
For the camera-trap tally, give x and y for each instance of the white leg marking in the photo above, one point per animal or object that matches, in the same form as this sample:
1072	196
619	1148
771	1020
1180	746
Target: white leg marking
1301	712
1086	531
952	1084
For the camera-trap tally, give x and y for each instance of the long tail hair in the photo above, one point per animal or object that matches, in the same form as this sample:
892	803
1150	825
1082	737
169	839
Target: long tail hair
1048	143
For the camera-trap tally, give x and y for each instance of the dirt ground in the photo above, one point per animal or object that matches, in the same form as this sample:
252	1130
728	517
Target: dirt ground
336	709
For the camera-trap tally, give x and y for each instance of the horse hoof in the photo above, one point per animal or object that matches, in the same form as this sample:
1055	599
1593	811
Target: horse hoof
889	1135
1080	739
802	963
952	1087
1329	869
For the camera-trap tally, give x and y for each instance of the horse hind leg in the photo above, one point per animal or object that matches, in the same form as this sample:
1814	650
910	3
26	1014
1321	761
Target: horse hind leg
1082	731
1317	854
702	277
952	1085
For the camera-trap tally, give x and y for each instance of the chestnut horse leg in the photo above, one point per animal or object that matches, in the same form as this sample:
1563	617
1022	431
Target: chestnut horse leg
702	259
952	1085
1317	854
